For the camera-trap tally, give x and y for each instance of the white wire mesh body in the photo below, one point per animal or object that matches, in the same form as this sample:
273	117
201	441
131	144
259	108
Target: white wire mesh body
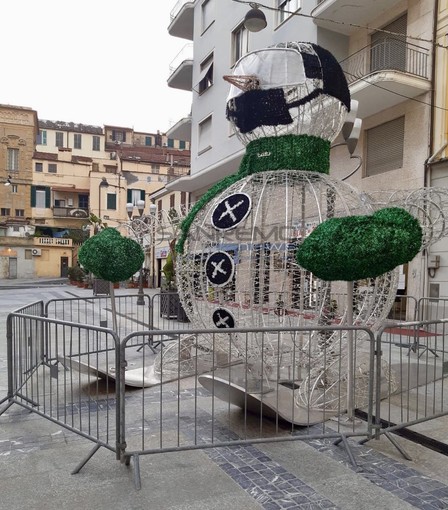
268	287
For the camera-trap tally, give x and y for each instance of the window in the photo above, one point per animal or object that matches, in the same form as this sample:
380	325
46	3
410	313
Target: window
384	147
111	201
77	141
52	168
134	195
155	169
240	37
206	76
96	141
181	144
285	7
205	135
172	201
42	137
14	188
40	196
5	211
207	14
83	201
183	199
40	199
13	160
170	143
20	212
59	139
118	136
38	167
148	141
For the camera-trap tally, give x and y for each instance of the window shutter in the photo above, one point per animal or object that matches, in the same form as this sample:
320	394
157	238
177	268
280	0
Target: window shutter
142	195
47	197
385	145
124	136
111	201
33	196
129	196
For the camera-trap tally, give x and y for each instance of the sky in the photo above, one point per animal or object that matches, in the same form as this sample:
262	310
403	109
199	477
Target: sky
92	62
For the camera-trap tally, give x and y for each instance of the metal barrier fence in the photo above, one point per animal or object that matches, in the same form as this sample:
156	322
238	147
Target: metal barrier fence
53	370
197	389
239	376
416	392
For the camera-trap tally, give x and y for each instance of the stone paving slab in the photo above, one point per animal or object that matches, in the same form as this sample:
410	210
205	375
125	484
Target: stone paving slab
37	456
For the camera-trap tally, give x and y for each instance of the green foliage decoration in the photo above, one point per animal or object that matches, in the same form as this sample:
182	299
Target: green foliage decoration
357	247
110	256
287	152
168	270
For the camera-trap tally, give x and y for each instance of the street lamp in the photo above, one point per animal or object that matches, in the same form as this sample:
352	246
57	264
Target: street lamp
141	227
255	20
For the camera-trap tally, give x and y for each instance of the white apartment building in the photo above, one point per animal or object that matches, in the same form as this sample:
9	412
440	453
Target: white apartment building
389	71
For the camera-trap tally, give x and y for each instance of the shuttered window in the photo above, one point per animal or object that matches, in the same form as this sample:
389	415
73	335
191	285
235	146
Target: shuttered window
111	201
388	50
40	197
205	134
135	195
384	147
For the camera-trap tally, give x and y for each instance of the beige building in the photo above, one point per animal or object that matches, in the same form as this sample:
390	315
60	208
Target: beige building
18	131
171	208
58	173
437	165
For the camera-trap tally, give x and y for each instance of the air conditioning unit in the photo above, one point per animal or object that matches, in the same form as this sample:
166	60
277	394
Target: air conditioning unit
78	213
37	252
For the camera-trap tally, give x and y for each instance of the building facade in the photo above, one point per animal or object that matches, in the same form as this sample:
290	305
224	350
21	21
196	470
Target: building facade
57	174
387	53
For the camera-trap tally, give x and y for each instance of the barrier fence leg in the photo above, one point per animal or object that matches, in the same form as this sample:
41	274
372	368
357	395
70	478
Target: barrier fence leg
84	461
398	446
137	478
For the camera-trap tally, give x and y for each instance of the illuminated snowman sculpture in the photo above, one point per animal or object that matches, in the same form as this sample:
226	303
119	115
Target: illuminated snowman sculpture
239	263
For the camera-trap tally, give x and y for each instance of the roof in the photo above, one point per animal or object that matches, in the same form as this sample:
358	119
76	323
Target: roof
70	126
156	155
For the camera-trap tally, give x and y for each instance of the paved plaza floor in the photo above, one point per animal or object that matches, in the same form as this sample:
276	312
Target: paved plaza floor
37	457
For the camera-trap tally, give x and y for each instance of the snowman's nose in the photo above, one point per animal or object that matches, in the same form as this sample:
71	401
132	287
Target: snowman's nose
243	82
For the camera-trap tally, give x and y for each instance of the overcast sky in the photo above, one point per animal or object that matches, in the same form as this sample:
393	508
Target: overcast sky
92	61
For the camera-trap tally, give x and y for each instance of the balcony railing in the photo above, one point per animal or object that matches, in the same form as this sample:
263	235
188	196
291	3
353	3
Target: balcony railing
52	241
185	54
71	212
176	9
388	55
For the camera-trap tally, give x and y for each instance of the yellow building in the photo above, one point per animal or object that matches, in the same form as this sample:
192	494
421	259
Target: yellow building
55	174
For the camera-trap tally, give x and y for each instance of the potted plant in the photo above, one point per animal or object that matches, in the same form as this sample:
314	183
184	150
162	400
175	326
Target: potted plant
112	258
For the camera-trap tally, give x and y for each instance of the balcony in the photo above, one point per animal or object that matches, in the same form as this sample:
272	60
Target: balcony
53	241
385	74
182	20
79	213
181	69
346	14
181	130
